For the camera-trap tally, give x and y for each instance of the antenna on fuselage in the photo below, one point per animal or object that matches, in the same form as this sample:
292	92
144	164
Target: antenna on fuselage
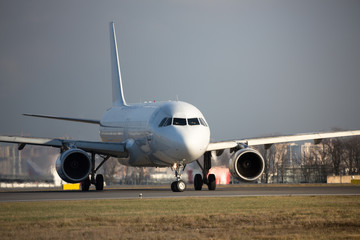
117	87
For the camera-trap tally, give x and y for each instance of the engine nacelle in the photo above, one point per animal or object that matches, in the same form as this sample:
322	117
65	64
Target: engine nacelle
73	165
247	165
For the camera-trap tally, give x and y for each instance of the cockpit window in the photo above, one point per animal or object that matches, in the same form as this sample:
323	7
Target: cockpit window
202	121
182	122
193	121
162	122
179	121
168	122
165	122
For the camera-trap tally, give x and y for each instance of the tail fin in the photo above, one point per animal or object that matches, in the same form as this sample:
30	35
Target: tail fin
117	88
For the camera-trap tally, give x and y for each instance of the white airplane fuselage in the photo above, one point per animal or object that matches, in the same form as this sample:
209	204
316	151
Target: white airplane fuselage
157	134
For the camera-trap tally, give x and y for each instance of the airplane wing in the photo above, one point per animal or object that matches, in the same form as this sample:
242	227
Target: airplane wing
92	121
111	149
268	141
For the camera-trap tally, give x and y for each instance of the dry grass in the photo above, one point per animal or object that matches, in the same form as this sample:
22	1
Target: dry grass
320	217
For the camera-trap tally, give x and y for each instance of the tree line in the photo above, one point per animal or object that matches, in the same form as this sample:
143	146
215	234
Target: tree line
312	162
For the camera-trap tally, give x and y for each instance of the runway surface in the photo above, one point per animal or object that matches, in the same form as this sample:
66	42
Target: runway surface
165	192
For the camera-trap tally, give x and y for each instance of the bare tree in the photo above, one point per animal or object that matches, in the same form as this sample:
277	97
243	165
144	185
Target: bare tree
274	158
110	169
336	150
268	155
281	161
319	165
352	155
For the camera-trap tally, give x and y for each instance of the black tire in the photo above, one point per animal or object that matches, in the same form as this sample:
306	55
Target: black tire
85	185
178	186
198	182
211	182
173	186
99	183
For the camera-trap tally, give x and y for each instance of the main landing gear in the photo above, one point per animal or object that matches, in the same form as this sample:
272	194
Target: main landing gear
208	179
95	179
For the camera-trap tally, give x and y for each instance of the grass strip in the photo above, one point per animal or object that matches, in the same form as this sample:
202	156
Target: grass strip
291	217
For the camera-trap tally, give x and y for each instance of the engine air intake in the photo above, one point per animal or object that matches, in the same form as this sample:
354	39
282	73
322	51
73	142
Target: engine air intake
73	165
247	165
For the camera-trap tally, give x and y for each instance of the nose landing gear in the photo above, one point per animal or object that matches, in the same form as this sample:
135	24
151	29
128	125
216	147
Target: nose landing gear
179	185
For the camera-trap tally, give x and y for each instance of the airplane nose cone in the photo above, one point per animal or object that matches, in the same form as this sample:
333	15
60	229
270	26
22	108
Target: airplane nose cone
190	145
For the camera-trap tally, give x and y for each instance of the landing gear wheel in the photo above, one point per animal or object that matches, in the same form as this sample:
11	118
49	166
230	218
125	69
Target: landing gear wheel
198	182
99	183
178	186
85	185
181	186
211	182
173	186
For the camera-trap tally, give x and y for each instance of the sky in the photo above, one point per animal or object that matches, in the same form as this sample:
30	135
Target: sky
253	68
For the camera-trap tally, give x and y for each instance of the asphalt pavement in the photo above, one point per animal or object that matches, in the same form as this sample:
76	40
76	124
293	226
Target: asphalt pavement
165	192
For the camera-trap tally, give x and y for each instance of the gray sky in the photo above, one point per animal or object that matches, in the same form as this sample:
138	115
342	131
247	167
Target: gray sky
253	68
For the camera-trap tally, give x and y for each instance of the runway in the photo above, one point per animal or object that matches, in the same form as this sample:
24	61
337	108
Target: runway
165	192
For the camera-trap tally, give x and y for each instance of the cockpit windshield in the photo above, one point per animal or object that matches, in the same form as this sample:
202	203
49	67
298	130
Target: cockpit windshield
179	121
182	122
193	121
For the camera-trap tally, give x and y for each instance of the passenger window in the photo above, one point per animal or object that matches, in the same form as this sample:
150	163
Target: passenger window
193	121
179	121
162	122
202	121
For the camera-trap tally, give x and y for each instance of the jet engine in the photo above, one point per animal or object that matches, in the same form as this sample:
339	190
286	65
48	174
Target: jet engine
73	165
246	165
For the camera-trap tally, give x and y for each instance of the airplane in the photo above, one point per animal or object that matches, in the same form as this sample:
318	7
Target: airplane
155	134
